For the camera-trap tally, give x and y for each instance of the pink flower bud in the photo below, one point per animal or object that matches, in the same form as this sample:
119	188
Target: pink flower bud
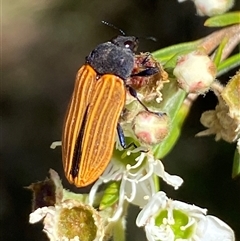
150	128
195	72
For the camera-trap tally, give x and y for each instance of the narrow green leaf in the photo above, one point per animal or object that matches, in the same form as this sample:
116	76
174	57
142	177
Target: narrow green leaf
228	64
236	164
218	53
165	54
171	63
223	20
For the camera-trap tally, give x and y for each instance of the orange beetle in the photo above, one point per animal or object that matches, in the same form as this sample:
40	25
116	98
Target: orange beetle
97	102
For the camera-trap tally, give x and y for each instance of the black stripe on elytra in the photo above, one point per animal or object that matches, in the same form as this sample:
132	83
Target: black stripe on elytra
78	147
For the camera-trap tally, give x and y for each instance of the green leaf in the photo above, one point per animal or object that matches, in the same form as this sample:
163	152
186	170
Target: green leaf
218	53
171	63
223	20
228	64
236	164
172	104
111	195
165	54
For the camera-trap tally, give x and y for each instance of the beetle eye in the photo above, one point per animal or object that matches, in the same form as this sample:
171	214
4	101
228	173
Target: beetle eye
130	45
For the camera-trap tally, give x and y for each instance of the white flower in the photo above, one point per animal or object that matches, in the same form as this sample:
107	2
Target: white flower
70	220
137	181
167	220
65	215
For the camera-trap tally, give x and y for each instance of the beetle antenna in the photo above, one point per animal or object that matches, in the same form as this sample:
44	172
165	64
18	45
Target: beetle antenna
152	38
113	26
149	38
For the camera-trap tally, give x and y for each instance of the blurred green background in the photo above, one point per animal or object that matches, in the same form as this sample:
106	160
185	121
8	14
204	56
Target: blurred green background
43	45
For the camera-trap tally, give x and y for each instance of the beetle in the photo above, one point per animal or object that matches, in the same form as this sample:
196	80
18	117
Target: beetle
95	107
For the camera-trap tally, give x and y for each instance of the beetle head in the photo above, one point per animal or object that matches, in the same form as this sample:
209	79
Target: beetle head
129	42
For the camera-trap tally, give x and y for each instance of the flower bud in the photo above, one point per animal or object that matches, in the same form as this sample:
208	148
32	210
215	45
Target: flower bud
150	128
212	7
195	72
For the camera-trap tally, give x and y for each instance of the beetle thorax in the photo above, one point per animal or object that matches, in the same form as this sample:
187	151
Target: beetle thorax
107	58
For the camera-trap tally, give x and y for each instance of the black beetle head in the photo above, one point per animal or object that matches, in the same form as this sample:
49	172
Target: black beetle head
129	42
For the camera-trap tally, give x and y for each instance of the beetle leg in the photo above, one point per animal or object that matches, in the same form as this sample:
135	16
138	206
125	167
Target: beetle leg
147	72
122	138
133	92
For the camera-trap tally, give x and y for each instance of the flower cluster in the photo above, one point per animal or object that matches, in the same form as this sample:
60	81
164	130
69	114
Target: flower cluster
74	217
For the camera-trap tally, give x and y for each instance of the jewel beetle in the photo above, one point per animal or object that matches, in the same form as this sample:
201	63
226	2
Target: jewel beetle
96	104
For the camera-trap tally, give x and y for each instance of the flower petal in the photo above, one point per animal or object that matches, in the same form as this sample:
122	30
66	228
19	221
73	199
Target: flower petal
38	214
172	180
215	230
155	203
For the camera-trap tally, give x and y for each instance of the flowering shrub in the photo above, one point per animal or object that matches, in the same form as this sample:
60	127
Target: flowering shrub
133	175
